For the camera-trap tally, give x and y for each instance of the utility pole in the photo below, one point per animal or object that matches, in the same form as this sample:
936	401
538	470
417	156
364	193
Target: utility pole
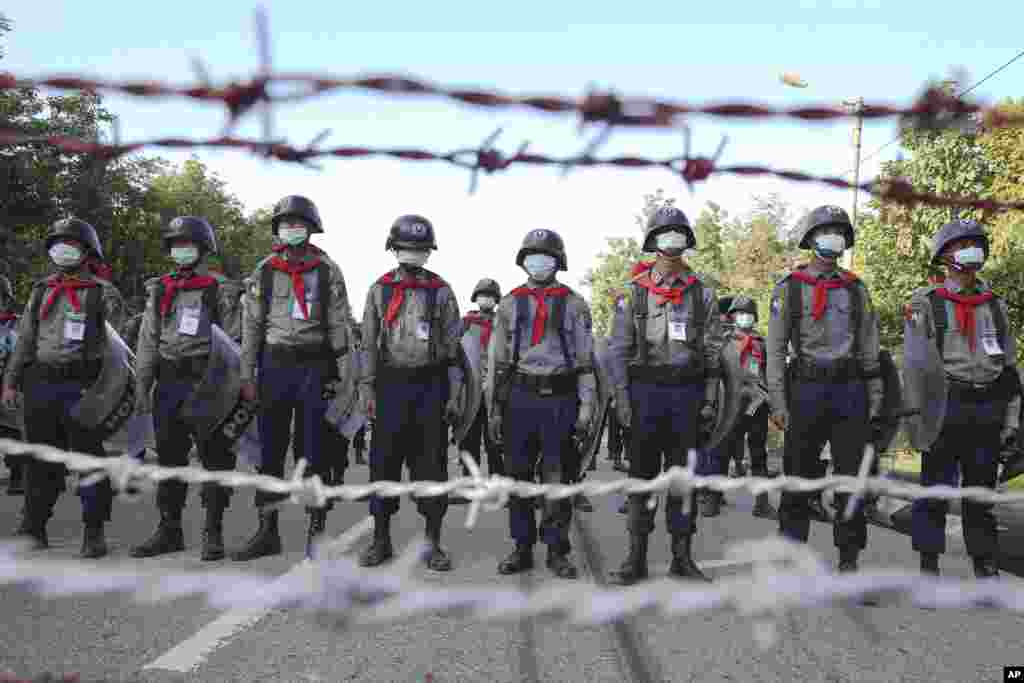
857	107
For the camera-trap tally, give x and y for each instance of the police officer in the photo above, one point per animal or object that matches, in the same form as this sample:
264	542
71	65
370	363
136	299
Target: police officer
969	325
480	322
541	389
295	331
58	355
664	351
752	429
8	324
173	351
834	389
724	307
411	333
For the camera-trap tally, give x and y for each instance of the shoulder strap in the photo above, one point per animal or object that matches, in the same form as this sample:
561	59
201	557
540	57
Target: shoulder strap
999	320
432	321
522	314
794	311
266	291
640	317
699	312
856	316
39	291
95	318
211	302
557	319
941	320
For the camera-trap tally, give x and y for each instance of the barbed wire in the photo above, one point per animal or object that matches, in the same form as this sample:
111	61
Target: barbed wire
489	160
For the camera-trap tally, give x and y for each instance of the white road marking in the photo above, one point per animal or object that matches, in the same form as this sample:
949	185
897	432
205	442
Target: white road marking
189	654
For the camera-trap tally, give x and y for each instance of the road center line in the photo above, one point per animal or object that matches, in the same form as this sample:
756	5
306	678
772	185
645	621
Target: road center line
190	653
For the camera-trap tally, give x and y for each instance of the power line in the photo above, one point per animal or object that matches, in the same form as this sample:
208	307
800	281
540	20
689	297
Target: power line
961	94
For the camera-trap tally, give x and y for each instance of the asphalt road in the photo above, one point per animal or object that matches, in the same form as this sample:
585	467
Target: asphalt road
110	638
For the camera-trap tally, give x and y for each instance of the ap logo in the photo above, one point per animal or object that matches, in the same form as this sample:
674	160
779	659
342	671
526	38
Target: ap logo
540	234
418	229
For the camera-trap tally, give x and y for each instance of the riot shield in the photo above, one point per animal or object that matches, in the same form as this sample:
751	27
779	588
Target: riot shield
730	396
589	442
214	411
344	412
108	405
924	384
472	388
12	419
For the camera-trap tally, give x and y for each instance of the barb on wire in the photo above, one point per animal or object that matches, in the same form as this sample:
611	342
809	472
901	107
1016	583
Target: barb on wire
126	472
489	160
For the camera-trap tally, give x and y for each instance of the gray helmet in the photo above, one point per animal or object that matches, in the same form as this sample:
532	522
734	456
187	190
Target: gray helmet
543	241
411	232
486	286
73	228
664	219
743	304
825	216
190	228
958	230
725	304
297	206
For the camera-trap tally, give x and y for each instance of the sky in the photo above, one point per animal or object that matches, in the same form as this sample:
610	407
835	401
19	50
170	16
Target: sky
734	50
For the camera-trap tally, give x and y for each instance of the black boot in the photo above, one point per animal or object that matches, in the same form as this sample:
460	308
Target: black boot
436	559
520	560
985	567
764	508
848	560
16	484
35	532
317	527
168	537
266	541
380	551
560	564
930	564
94	543
683	565
634	569
213	533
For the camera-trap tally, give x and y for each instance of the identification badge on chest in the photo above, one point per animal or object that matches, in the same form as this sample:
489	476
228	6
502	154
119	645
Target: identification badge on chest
74	326
755	366
677	330
991	345
189	321
423	330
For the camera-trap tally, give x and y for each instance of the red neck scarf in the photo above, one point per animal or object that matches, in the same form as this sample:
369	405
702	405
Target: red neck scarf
295	270
540	320
965	306
486	324
179	282
100	269
642	277
409	281
7	316
58	286
750	347
821	288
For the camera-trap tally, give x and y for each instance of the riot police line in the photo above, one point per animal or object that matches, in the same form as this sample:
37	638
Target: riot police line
247	371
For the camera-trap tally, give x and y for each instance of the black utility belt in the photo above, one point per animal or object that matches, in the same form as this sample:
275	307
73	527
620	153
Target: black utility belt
85	371
1001	388
191	366
298	355
422	373
667	374
841	371
547	385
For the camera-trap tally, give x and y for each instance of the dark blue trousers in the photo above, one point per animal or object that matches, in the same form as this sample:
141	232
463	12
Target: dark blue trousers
664	430
48	421
290	390
538	434
822	412
968	445
409	430
174	442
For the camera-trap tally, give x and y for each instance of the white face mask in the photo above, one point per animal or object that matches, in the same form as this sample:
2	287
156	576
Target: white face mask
293	237
486	303
541	267
185	256
744	320
971	256
65	255
412	257
829	246
672	243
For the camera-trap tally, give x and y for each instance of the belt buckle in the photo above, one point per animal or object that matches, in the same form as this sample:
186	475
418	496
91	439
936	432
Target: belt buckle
546	391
